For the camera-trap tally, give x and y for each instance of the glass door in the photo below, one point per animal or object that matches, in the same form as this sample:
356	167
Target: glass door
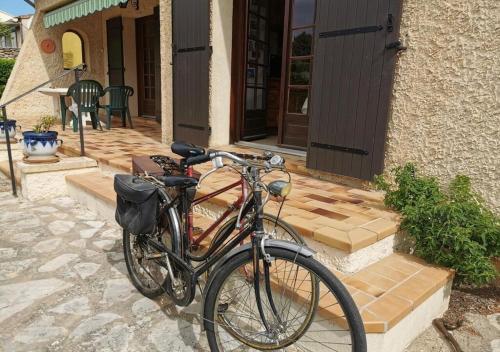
295	121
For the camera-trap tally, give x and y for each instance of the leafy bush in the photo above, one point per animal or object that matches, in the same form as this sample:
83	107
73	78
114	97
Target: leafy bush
6	66
452	228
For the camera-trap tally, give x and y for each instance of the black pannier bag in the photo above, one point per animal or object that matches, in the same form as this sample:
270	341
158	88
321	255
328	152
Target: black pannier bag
137	204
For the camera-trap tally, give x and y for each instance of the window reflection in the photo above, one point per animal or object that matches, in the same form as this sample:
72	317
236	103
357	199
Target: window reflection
298	101
303	12
302	42
300	72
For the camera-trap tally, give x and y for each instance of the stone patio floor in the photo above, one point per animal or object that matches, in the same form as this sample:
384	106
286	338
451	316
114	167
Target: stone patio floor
64	286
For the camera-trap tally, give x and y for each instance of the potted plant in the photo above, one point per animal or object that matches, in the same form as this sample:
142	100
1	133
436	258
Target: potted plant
11	125
41	141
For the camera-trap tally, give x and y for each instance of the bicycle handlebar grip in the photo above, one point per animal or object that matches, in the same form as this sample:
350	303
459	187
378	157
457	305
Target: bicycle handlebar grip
200	159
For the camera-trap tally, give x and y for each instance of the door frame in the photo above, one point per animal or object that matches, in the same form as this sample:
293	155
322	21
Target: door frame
238	69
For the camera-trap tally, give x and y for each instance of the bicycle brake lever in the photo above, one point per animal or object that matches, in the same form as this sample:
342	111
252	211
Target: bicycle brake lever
204	176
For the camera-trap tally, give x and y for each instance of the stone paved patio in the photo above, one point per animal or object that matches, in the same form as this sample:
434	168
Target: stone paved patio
64	287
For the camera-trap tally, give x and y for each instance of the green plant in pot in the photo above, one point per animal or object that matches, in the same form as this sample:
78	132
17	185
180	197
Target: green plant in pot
41	141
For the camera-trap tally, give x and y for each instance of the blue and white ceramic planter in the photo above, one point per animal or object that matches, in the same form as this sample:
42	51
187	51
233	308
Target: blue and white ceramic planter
11	125
40	144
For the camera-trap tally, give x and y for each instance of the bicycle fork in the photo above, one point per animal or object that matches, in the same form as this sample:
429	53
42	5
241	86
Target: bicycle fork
258	241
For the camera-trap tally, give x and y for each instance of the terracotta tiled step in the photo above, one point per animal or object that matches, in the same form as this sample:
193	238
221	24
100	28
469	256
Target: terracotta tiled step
385	292
101	186
96	184
340	217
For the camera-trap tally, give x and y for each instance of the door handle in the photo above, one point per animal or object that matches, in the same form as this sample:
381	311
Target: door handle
398	46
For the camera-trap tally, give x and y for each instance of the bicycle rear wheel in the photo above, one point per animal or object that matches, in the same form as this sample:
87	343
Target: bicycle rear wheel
313	310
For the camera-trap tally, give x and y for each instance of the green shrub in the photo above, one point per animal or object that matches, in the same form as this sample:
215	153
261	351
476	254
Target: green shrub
6	66
452	228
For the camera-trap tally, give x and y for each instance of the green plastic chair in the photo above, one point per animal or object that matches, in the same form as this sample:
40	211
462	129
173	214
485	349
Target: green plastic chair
118	102
91	91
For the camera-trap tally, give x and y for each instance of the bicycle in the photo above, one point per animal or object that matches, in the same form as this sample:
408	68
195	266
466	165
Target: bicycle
289	300
275	226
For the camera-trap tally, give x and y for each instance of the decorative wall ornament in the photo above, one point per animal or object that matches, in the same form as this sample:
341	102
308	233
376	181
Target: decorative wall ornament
48	46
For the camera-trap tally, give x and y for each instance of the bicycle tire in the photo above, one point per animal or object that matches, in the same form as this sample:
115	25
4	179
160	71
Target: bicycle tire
149	292
289	229
341	294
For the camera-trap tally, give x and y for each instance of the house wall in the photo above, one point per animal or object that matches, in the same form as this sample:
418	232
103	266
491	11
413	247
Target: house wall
445	107
33	66
445	114
167	114
220	71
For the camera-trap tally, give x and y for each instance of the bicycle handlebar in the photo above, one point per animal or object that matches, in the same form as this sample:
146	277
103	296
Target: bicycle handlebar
200	159
271	160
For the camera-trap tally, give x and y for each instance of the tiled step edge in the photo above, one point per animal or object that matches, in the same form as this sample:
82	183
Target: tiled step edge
348	248
347	236
95	191
101	187
398	298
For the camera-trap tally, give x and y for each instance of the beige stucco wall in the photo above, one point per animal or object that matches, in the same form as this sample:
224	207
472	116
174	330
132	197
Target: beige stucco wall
166	71
220	71
445	108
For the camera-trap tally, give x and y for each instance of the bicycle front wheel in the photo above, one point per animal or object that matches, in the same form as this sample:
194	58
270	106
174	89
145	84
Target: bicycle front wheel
307	308
273	226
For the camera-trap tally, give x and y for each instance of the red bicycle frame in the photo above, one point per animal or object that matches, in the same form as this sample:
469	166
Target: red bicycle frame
235	206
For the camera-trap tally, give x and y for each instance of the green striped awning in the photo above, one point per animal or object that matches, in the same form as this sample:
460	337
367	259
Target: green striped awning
77	9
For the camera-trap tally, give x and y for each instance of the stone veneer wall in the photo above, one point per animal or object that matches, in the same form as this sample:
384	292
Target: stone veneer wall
445	107
8	53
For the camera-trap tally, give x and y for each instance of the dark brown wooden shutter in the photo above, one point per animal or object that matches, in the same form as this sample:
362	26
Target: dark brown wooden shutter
352	83
116	68
191	55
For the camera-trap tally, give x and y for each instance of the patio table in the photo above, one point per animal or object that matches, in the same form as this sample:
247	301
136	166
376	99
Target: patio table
58	97
59	100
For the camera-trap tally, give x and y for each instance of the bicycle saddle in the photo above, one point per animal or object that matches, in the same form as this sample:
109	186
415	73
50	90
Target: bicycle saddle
178	181
186	150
